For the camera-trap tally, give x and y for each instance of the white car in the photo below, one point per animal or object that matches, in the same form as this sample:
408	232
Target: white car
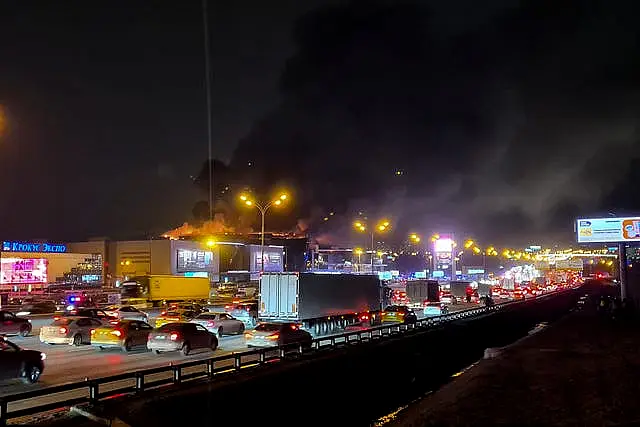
127	312
219	323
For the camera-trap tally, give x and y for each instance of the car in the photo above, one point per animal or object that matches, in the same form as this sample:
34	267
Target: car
174	316
40	307
10	324
125	334
126	312
182	337
72	330
219	323
274	334
245	312
94	313
16	362
187	306
447	298
435	309
398	314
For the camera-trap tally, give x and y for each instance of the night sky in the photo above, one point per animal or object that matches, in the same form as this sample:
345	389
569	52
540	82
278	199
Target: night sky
502	122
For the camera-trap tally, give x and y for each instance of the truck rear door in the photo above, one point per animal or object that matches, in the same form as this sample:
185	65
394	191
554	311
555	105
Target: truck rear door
278	296
288	296
268	296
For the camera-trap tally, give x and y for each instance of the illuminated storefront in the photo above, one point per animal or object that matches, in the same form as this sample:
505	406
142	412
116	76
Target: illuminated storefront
35	265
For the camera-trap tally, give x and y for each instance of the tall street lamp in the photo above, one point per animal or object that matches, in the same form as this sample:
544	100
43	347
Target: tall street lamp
358	251
382	226
263	208
490	251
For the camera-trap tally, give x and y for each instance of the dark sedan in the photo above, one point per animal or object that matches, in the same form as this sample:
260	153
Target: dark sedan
18	363
181	336
10	324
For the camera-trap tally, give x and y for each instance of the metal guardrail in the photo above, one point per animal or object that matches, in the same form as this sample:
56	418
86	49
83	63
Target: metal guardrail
214	366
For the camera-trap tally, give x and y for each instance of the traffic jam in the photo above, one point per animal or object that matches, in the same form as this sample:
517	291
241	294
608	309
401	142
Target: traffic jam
186	327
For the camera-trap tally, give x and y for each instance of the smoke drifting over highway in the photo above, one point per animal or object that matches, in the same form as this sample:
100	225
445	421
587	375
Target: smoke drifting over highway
514	126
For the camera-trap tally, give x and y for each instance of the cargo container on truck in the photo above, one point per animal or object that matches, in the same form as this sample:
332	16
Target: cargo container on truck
459	290
155	290
484	290
419	291
322	303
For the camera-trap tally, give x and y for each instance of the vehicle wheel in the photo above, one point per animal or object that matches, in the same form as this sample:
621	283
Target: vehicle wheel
241	331
32	374
77	340
158	352
214	344
101	348
186	349
127	346
25	330
220	332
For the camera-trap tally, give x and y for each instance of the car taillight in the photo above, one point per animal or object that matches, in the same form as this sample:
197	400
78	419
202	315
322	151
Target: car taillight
273	337
173	337
117	333
93	331
248	335
113	322
163	313
56	317
63	331
210	323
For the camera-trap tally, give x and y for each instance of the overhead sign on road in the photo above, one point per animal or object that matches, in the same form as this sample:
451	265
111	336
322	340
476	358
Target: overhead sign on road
608	230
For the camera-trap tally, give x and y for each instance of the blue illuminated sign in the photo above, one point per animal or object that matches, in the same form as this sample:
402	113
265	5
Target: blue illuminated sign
55	248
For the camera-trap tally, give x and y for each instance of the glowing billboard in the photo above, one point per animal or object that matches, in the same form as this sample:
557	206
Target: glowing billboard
443	245
194	260
272	261
21	270
605	230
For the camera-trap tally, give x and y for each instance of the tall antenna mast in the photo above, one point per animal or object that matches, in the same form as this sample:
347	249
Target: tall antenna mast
207	66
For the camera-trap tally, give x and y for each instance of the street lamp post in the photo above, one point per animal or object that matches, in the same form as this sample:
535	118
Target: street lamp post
263	208
490	251
358	252
381	227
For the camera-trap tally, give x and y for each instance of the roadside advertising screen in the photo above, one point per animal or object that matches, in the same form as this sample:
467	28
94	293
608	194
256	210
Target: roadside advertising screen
605	230
23	270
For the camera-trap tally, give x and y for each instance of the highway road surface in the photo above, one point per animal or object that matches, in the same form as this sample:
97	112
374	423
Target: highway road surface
67	364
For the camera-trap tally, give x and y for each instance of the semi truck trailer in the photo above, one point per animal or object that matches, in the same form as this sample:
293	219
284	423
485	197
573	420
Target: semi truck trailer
322	303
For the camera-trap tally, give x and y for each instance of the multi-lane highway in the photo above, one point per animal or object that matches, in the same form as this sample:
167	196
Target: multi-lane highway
67	364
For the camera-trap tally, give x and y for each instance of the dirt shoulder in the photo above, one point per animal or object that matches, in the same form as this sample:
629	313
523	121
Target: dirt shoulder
583	370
